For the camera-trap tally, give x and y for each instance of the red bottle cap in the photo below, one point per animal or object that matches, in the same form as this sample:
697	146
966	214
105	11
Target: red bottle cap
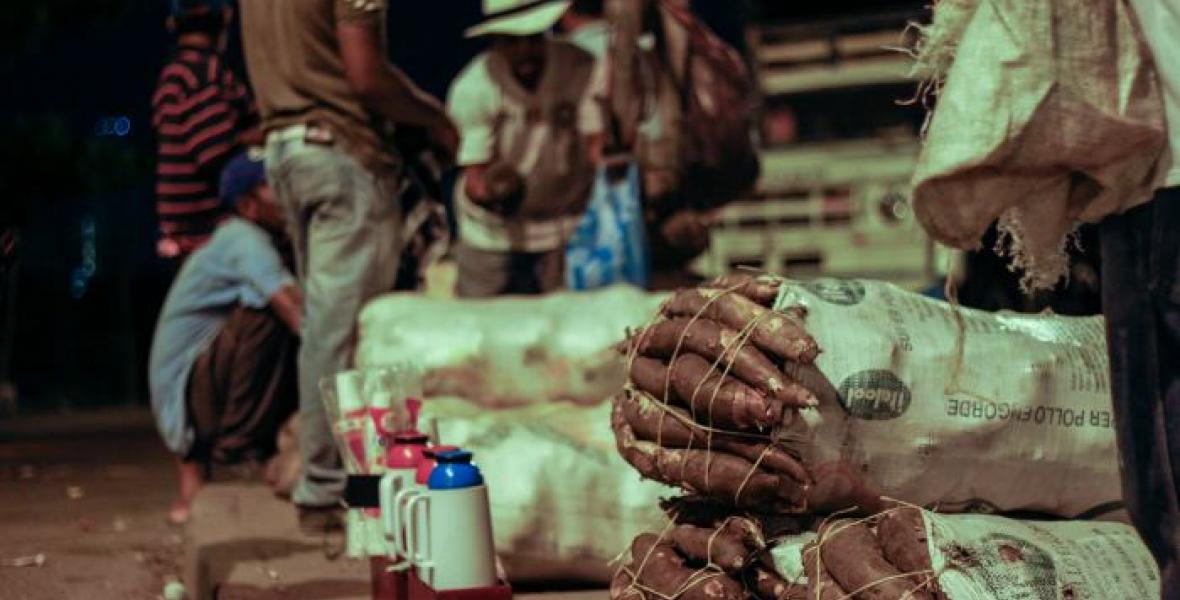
407	450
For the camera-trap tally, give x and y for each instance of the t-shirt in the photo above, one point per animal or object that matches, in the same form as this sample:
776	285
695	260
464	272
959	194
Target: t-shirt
198	110
541	133
238	266
1160	20
298	77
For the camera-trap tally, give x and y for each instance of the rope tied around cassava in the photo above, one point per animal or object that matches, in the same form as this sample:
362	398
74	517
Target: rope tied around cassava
870	558
718	368
662	565
698	577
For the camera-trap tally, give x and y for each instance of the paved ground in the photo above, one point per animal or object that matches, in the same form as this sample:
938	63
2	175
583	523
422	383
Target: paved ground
92	503
89	493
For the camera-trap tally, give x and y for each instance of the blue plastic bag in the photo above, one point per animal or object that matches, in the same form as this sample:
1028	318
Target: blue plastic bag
610	244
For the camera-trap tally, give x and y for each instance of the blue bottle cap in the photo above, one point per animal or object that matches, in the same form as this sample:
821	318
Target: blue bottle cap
454	471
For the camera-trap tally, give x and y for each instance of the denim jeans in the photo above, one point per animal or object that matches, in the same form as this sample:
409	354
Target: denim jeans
1141	301
345	226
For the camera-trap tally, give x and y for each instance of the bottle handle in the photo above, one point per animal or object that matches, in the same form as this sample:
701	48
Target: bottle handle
399	535
414	552
389	522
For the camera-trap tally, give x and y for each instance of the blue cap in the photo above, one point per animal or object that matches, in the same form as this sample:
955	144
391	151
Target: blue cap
454	471
240	175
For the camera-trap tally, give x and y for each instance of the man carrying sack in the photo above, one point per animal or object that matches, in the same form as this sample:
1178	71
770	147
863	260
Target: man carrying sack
1054	113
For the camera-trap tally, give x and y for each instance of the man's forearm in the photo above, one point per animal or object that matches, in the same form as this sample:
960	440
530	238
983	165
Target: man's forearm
287	304
382	87
396	98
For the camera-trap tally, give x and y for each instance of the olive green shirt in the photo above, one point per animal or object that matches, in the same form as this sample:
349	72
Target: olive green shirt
293	59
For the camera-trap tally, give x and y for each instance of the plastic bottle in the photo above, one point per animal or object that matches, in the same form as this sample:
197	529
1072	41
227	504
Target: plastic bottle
390	579
456	551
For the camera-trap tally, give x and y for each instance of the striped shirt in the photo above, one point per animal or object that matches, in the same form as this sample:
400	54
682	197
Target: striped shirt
198	110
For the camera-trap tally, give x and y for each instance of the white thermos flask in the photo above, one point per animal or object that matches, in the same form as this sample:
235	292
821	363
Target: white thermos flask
460	552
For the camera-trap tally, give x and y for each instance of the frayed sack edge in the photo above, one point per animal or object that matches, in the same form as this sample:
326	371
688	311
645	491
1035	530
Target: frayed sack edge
1038	272
933	50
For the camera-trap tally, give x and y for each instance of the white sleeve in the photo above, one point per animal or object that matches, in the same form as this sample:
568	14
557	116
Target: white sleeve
471	102
590	110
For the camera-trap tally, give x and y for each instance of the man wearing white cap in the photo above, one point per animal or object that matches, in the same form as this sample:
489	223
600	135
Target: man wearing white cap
530	119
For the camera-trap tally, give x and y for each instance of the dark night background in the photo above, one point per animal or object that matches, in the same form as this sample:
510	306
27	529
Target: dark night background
88	284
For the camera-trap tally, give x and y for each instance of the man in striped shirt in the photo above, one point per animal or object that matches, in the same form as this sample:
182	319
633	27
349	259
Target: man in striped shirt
199	111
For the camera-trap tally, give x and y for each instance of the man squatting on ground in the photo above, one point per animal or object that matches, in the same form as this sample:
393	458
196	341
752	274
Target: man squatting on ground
530	115
222	367
329	100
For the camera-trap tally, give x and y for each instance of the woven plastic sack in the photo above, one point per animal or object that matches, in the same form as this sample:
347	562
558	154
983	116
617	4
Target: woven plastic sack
1049	114
508	351
984	557
953	408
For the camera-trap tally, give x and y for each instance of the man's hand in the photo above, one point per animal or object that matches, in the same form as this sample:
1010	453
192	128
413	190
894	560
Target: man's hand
166	247
498	187
288	305
445	140
474	186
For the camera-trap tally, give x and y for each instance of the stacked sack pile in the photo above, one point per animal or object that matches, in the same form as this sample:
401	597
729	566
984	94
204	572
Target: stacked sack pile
806	477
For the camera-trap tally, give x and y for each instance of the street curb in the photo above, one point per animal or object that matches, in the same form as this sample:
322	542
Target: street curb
119	420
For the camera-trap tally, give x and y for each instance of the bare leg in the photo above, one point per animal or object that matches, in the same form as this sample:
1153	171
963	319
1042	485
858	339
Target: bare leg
191	477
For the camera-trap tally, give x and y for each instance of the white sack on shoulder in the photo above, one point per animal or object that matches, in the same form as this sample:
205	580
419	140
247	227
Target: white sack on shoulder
1050	114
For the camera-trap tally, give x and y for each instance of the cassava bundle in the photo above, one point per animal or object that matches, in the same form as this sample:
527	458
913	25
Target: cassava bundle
707	390
730	399
705	555
729	396
900	553
905	553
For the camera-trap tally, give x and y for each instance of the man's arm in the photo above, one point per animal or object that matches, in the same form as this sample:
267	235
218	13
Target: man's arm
470	105
593	113
288	305
384	88
265	281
